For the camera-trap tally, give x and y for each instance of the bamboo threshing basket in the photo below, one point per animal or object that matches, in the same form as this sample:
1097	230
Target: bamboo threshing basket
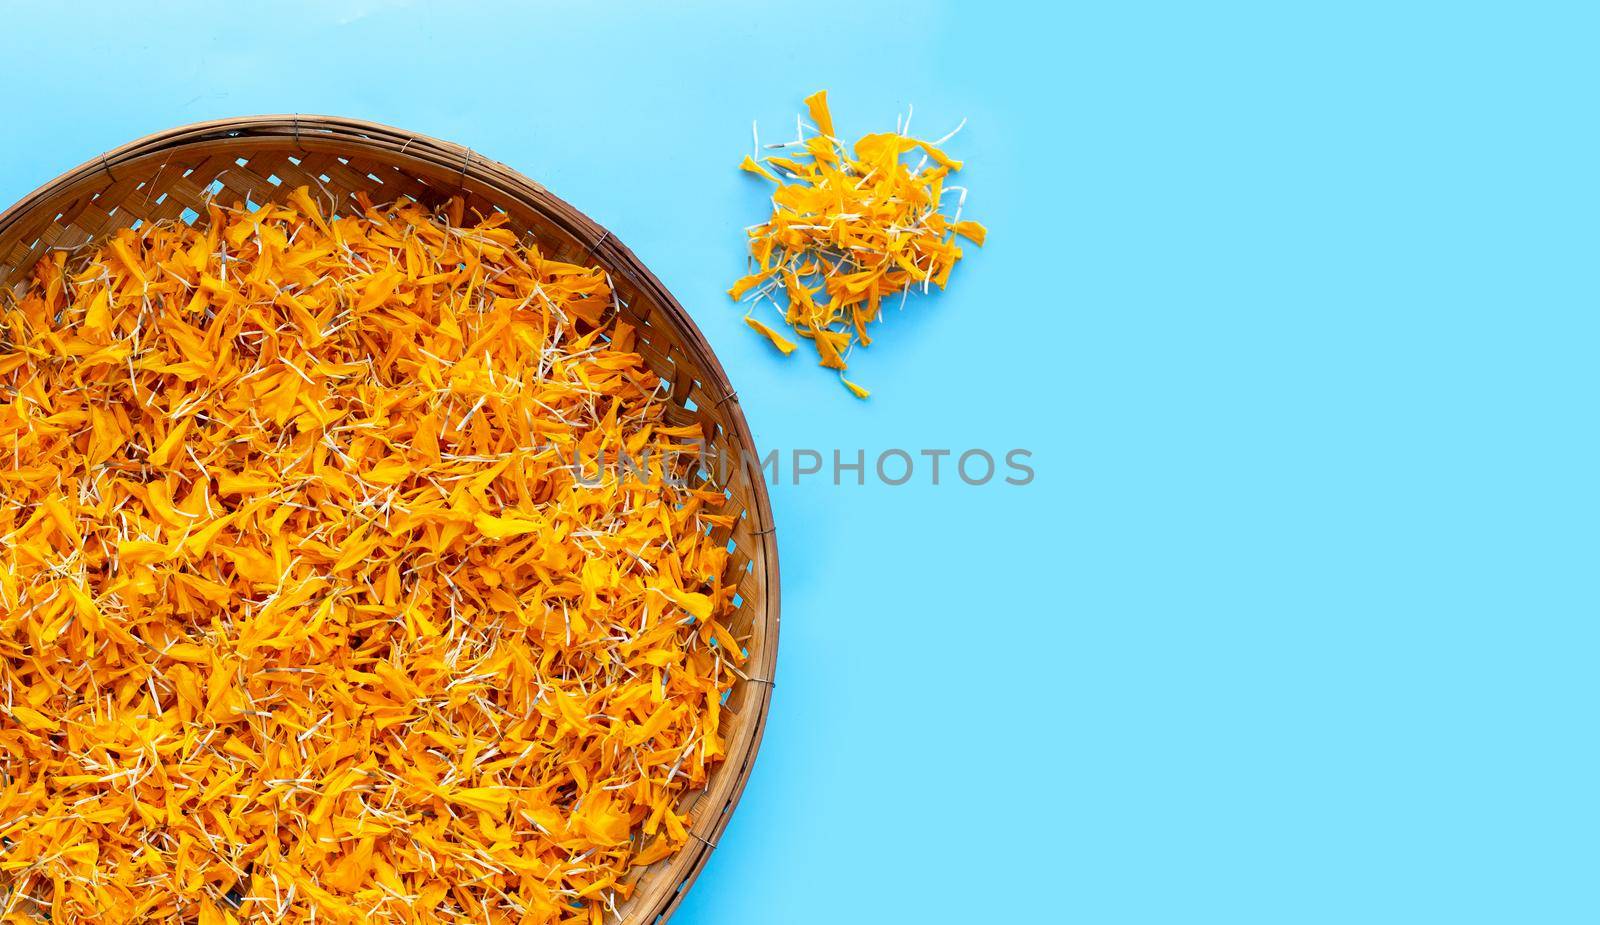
171	175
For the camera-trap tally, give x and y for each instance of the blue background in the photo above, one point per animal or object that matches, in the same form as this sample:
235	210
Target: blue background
1295	306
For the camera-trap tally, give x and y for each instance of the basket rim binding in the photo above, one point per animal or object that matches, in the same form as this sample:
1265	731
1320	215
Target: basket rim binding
449	166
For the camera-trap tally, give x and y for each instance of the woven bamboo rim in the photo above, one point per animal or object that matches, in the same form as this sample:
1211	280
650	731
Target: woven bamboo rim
169	176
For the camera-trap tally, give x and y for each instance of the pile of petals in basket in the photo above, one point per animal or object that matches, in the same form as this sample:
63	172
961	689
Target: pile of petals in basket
305	614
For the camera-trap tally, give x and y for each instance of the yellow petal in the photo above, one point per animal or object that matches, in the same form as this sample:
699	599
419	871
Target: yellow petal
698	605
378	290
751	166
188	652
58	514
97	318
389	472
817	103
778	340
483	799
33	719
165	450
501	527
972	231
746	283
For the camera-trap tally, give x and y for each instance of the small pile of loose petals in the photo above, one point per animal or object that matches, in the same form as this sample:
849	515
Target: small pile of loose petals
850	227
306	612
